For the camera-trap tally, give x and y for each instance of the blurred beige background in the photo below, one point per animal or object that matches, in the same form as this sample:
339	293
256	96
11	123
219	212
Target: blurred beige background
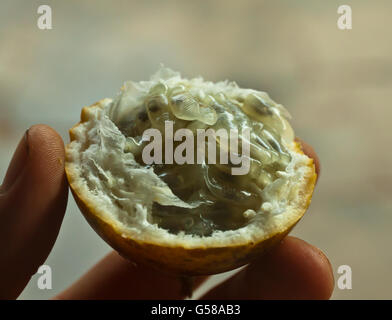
336	84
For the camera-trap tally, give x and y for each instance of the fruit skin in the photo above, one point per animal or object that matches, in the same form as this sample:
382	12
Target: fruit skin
179	260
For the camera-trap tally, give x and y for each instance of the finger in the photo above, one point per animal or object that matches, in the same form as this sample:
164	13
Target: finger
33	198
293	270
116	278
309	151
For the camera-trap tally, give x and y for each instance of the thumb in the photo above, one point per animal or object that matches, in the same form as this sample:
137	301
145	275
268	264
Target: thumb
33	199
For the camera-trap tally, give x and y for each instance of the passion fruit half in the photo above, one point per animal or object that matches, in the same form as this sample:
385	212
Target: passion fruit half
194	217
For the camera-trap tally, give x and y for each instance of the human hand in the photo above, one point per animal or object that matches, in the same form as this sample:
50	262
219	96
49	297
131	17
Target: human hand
33	200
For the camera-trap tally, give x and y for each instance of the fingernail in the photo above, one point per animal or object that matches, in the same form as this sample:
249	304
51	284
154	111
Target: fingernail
17	164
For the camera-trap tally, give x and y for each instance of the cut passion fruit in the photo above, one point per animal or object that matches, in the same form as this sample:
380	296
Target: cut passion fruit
193	217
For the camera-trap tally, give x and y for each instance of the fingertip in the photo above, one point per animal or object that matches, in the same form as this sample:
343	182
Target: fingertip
299	271
46	145
292	270
37	167
47	157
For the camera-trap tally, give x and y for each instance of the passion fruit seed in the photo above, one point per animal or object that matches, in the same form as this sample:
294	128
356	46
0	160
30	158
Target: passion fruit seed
186	107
